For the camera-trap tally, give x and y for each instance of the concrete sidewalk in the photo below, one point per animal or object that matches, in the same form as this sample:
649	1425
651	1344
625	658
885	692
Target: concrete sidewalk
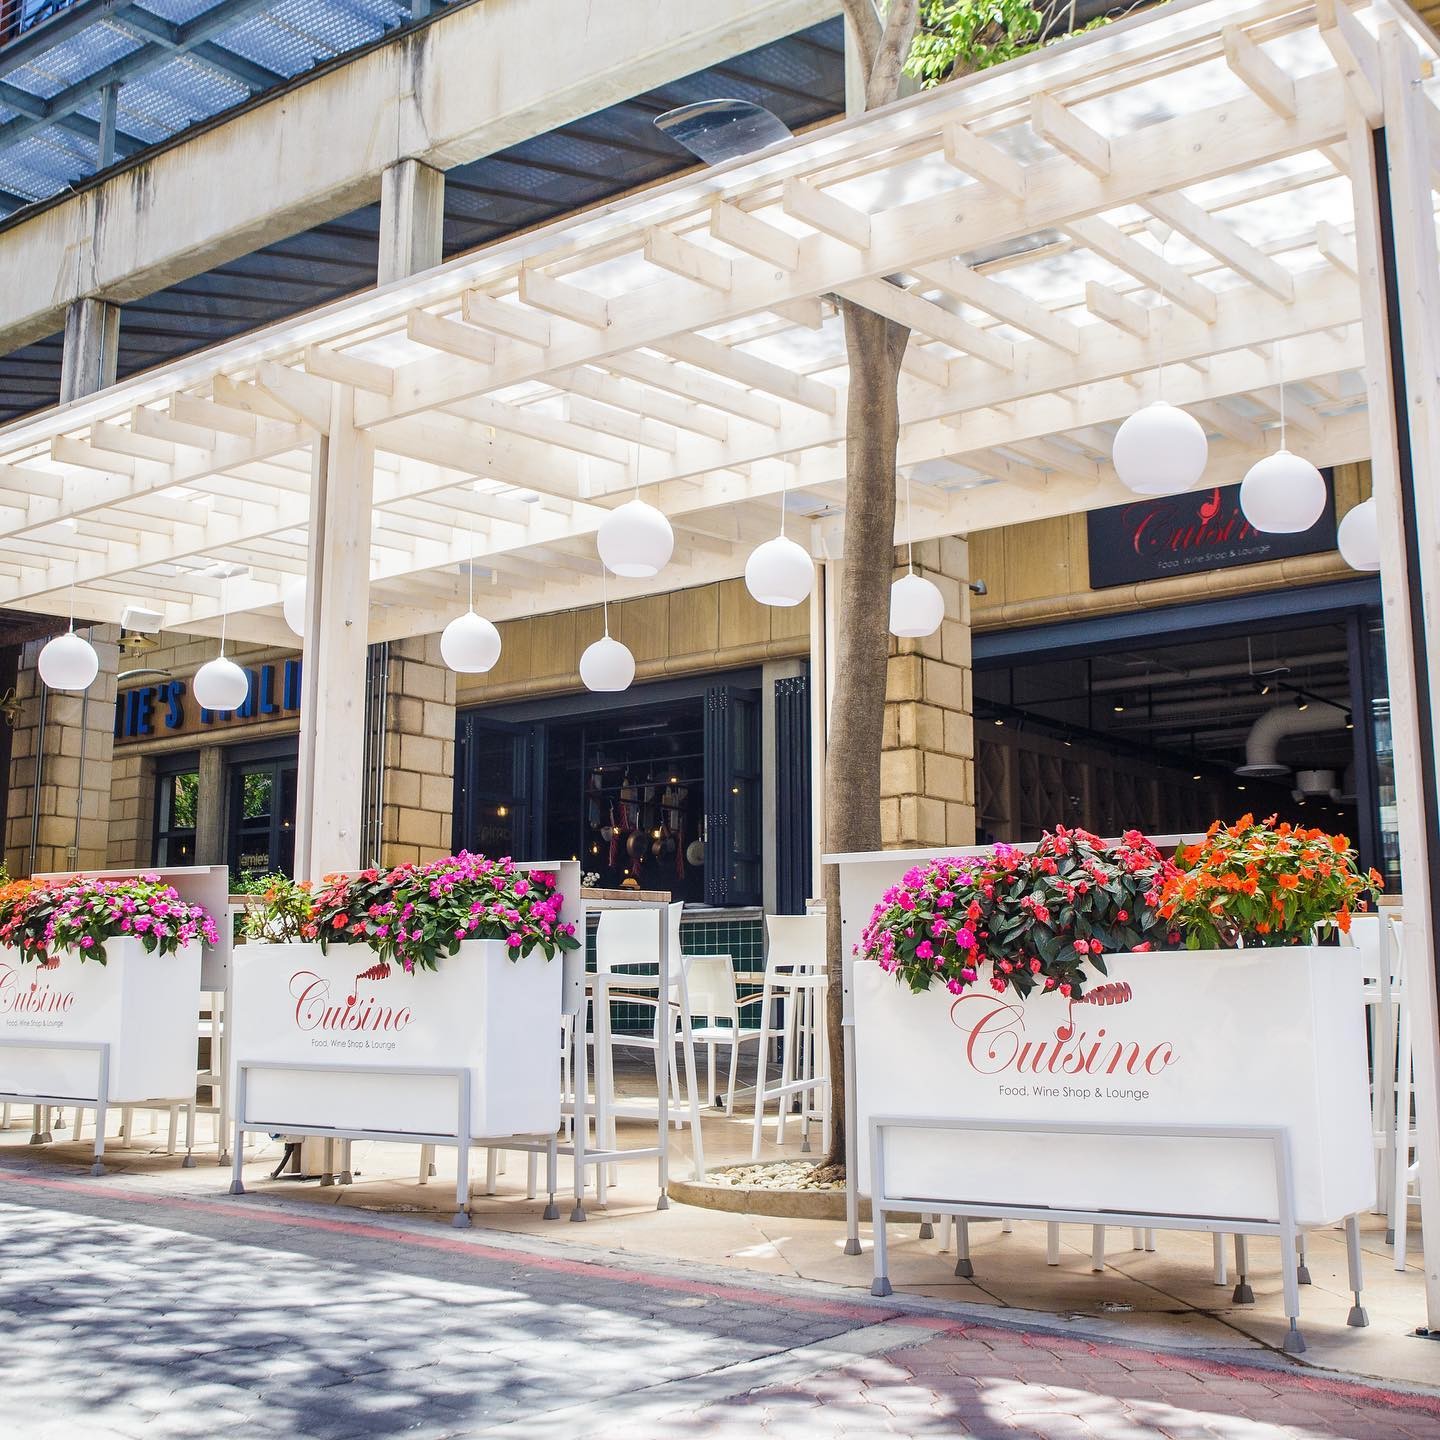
136	1312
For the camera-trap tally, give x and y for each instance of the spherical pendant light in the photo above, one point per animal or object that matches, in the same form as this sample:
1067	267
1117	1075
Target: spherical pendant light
635	540
220	684
1358	537
916	606
1282	494
295	605
68	662
607	665
1160	450
779	572
470	644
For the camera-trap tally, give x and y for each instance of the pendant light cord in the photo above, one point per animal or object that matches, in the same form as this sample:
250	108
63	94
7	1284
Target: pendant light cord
1280	369
1164	326
909	527
74	566
224	612
784	490
605	599
470	568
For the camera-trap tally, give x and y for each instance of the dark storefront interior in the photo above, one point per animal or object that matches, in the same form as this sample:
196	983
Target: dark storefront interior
1271	703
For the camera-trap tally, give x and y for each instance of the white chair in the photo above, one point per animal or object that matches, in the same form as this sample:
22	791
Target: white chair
715	998
627	955
796	977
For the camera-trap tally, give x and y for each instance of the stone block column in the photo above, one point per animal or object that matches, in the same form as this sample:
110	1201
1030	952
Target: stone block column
61	767
927	768
419	753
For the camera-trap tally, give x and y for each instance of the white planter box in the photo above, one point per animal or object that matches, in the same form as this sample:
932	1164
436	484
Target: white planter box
146	1007
495	1017
1257	1037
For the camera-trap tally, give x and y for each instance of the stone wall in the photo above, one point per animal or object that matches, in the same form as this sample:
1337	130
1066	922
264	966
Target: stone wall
419	753
927	777
61	766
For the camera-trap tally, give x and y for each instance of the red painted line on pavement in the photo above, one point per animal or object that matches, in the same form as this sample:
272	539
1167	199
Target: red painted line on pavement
838	1310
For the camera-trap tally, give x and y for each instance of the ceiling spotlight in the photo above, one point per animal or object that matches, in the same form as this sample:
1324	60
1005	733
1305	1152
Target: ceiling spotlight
1349	722
1119	706
1240	787
1194	777
1301	703
1262	687
999	722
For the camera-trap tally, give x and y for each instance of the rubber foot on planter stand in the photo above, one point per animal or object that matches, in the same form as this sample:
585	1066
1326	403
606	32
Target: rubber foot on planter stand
852	1247
577	1214
188	1163
663	1203
461	1220
433	1170
927	1230
551	1211
97	1168
881	1287
1243	1295
1302	1275
237	1187
964	1269
345	1178
1357	1316
1294	1341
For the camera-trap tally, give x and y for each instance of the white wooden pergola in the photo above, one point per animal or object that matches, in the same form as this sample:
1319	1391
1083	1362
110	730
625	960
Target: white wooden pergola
1237	189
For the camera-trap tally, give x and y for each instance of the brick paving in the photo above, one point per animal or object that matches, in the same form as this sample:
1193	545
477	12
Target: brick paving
137	1314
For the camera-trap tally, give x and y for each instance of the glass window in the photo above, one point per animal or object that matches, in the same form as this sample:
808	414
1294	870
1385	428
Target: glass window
177	800
262	817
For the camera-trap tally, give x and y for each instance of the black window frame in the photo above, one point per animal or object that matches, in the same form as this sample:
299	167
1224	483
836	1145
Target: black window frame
275	757
167	767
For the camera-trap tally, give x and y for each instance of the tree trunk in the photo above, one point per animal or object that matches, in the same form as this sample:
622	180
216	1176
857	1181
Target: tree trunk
857	715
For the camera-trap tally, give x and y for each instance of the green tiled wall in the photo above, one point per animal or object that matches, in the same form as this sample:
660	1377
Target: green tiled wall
742	939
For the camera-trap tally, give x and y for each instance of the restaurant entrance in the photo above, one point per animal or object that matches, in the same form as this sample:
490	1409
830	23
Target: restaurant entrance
660	786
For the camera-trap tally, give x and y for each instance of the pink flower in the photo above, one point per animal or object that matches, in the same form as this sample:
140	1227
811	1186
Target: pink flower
924	950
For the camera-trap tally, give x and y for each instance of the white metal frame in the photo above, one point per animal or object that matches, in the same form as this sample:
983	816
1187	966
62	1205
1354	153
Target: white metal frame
1283	1225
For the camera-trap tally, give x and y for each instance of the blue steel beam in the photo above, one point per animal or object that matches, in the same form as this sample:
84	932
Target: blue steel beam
154	52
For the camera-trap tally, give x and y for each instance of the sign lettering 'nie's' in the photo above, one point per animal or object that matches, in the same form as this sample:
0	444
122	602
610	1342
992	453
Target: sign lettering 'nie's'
314	1009
36	998
997	1044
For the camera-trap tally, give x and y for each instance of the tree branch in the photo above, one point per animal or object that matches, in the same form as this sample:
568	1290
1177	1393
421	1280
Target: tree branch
882	85
865	27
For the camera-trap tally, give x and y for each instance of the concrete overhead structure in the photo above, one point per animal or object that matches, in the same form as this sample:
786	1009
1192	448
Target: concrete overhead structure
470	82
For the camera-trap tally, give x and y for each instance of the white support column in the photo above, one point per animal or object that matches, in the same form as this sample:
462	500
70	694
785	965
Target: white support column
91	345
819	720
1407	530
329	799
412	220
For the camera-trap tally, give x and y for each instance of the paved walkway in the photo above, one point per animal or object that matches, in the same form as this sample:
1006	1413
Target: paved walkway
141	1314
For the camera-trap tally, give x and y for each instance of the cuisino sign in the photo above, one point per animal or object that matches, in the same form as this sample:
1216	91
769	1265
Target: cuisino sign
154	711
1155	539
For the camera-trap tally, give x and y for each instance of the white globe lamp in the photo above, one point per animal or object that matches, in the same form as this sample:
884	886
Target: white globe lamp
779	572
1358	537
607	665
220	684
295	604
68	662
1160	450
470	644
635	540
916	606
1282	494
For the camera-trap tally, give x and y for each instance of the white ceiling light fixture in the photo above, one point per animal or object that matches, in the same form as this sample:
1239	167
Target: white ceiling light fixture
917	608
69	661
780	572
1359	536
607	665
295	603
220	685
635	540
470	644
1282	494
1160	450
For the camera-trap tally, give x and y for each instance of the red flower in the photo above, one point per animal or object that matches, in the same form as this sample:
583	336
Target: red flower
339	922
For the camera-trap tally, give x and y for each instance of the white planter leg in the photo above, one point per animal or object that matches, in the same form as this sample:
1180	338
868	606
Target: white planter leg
492	1169
734	1074
173	1136
1357	1316
767	1001
947	1229
532	1174
347	1176
1097	1247
462	1184
1137	1238
1052	1243
1244	1295
1222	1268
1007	1227
188	1163
963	1268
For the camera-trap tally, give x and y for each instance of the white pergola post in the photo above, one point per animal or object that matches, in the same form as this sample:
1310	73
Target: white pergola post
329	803
1395	251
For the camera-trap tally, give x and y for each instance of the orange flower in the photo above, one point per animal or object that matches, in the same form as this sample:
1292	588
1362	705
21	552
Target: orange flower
1287	882
1339	844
